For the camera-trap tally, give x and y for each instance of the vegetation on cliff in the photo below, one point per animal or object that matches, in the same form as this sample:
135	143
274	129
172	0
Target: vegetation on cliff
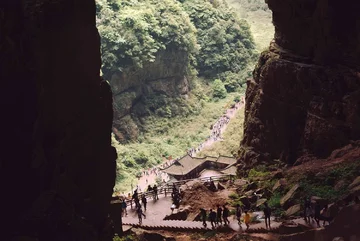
209	40
217	42
133	32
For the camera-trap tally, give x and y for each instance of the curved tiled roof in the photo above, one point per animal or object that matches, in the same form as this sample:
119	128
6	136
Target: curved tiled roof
187	163
184	165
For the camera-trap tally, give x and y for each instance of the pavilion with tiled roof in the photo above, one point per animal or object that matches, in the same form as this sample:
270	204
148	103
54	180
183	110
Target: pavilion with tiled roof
188	167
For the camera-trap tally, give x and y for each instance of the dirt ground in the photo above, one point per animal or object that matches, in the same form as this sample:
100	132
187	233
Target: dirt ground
197	196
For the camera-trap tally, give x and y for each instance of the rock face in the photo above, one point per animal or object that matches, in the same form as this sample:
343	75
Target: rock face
57	166
304	98
345	225
138	92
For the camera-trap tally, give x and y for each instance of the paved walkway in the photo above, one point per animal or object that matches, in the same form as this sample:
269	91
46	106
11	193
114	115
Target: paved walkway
156	212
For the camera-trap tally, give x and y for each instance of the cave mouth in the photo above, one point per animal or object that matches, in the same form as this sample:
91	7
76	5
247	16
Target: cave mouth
191	61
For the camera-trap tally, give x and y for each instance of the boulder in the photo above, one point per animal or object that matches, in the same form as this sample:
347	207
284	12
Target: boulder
260	202
280	183
249	193
240	182
355	191
293	210
286	200
276	186
321	201
179	215
339	185
278	174
355	183
292	227
150	236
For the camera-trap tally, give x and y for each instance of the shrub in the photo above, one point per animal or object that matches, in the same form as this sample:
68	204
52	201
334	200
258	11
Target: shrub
274	201
219	90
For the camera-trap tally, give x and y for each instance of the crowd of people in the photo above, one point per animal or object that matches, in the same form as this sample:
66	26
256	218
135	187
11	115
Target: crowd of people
221	215
216	128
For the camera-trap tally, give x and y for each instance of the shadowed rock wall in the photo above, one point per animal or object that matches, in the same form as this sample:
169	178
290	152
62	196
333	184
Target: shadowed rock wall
304	100
57	166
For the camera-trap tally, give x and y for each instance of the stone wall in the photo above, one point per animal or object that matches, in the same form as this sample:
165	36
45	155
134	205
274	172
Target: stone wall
134	89
57	166
304	100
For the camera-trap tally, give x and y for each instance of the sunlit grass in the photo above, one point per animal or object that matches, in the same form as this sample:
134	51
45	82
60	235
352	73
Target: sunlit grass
260	20
232	137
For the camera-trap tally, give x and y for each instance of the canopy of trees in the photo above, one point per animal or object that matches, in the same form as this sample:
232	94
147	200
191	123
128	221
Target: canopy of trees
217	42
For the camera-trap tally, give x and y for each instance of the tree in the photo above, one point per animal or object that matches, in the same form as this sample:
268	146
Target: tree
219	90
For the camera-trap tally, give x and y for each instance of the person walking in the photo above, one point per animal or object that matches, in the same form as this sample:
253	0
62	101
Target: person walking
267	214
140	214
203	216
212	217
325	215
247	219
172	208
226	215
317	213
238	214
218	215
307	210
123	206
156	197
144	201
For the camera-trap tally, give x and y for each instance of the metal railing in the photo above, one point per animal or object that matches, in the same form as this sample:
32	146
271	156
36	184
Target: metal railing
167	188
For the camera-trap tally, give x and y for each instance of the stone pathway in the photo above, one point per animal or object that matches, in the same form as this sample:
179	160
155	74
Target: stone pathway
145	180
156	211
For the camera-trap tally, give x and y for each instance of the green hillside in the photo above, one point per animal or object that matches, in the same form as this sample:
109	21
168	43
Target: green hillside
259	17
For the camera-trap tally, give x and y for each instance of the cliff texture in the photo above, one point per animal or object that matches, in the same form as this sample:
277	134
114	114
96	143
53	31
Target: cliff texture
141	92
304	99
57	166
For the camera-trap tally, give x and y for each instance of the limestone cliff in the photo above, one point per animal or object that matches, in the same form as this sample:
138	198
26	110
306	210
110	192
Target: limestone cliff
304	100
136	90
57	166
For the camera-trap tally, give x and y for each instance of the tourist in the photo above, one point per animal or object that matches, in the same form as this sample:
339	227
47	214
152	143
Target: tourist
218	215
325	215
247	219
203	216
307	210
144	201
238	213
226	215
156	197
172	208
212	217
317	215
140	214
123	207
267	214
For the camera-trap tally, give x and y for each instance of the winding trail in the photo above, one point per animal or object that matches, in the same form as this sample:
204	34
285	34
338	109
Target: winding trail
150	179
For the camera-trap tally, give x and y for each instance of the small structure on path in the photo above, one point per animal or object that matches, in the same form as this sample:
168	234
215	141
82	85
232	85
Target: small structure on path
188	167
